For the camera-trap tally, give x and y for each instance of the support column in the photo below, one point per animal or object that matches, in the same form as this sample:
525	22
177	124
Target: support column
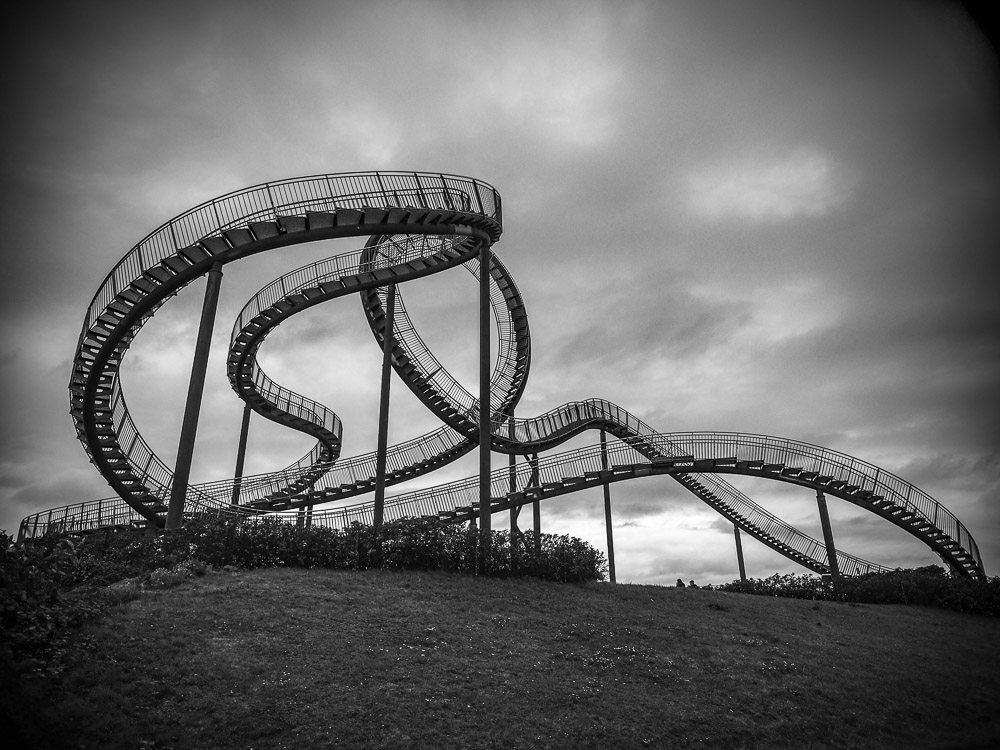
241	454
831	550
485	520
192	409
607	509
383	409
512	481
739	553
536	506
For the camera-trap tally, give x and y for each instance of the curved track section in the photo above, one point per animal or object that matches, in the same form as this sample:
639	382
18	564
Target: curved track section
226	229
419	224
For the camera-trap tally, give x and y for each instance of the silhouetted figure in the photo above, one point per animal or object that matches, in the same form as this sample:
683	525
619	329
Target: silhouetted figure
680	583
694	585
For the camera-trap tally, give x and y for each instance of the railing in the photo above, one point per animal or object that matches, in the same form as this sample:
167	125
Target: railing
640	443
570	417
549	470
554	469
285	197
508	376
77	517
840	466
141	460
263	202
333	269
507	379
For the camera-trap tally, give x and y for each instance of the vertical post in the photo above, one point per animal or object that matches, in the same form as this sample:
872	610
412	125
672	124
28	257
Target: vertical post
739	553
241	454
192	409
536	506
485	520
383	408
831	550
607	509
512	488
512	471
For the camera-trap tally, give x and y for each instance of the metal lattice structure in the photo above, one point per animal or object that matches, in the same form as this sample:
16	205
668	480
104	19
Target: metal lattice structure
418	224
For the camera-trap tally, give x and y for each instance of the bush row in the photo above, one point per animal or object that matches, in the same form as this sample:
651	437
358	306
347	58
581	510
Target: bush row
39	601
57	581
930	586
408	544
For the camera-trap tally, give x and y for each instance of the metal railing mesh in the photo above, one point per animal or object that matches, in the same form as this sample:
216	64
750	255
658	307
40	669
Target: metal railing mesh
639	442
267	202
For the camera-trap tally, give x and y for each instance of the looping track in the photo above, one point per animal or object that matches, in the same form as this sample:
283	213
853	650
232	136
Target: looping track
418	224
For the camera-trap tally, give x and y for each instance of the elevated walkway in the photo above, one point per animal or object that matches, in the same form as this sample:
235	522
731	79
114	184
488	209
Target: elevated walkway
417	224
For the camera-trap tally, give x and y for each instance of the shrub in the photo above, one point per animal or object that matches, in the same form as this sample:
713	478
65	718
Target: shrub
405	544
930	586
57	581
36	606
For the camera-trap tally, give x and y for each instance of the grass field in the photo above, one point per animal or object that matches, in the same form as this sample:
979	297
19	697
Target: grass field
286	658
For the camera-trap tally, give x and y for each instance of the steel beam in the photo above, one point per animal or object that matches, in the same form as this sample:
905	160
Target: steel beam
383	408
485	466
512	488
607	509
241	454
831	550
192	409
739	553
536	506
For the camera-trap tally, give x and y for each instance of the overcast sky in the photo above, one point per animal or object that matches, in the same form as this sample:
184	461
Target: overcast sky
770	217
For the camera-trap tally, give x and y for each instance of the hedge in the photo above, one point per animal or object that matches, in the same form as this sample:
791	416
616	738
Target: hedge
930	586
50	584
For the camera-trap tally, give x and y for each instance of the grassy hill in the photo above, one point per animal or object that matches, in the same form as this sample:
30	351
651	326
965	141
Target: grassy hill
285	658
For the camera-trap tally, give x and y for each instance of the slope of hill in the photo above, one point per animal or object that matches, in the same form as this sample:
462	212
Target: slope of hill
297	658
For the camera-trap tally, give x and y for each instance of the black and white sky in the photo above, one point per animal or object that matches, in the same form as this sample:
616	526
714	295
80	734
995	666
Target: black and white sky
778	217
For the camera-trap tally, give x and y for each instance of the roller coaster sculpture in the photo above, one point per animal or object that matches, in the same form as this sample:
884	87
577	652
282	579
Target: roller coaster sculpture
416	224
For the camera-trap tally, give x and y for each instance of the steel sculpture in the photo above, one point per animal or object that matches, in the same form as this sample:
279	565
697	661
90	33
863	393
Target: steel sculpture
418	224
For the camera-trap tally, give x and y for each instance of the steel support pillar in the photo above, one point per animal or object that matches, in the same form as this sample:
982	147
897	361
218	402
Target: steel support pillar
383	408
241	454
536	505
739	553
831	550
607	509
485	466
512	488
192	409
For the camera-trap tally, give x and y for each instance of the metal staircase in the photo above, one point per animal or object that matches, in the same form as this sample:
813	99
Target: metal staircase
417	224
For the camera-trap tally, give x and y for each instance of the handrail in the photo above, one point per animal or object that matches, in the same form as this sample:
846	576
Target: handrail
108	328
411	218
846	468
552	469
268	200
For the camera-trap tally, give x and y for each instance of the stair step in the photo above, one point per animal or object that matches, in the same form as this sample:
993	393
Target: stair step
671	460
175	263
158	274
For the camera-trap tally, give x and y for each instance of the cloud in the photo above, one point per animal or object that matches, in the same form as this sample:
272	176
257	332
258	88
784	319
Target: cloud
553	74
762	188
